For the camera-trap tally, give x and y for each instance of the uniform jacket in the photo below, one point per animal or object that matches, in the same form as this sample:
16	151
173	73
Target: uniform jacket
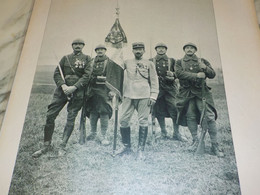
140	79
98	87
164	64
97	92
190	86
76	69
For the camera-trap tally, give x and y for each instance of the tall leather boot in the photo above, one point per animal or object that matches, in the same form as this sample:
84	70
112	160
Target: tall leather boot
161	121
104	126
143	131
126	140
48	132
66	134
93	123
213	137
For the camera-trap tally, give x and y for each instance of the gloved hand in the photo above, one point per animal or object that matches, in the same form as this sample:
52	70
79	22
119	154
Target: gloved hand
151	102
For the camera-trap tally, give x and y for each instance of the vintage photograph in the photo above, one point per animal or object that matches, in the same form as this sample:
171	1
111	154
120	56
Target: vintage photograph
128	97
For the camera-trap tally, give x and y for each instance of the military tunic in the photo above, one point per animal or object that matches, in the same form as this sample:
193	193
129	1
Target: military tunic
165	104
97	94
76	70
191	86
140	84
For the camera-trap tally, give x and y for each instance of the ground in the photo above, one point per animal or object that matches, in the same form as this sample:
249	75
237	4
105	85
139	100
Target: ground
91	169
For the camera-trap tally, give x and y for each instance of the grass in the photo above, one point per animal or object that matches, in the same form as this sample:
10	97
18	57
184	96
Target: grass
90	169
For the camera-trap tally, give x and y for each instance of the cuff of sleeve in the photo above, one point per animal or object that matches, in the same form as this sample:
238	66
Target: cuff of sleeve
153	96
60	83
78	85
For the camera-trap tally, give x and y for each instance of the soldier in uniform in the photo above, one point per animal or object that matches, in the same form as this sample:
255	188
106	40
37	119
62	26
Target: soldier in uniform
140	93
192	73
99	96
165	103
76	70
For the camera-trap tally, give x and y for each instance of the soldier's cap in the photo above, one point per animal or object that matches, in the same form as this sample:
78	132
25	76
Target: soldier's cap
78	41
138	45
190	44
100	46
160	45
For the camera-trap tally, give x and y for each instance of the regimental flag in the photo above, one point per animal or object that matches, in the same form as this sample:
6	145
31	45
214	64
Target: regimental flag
115	71
116	38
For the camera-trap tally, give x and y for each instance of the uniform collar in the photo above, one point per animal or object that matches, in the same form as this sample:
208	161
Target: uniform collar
159	57
189	58
100	59
76	54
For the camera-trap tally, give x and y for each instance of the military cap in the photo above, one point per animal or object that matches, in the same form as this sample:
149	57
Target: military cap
138	45
190	44
78	41
100	46
160	45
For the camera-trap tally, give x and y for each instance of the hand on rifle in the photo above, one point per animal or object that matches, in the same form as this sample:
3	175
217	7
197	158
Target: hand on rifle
68	89
111	94
151	102
201	75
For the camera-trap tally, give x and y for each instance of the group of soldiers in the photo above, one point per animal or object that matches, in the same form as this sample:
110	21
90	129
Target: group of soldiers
150	85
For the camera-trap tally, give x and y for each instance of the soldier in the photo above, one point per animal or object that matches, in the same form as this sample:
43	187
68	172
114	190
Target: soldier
192	73
99	96
165	103
76	70
140	93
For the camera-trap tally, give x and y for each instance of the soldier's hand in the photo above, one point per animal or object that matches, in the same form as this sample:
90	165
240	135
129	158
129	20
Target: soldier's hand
201	75
64	88
169	73
111	94
70	90
151	102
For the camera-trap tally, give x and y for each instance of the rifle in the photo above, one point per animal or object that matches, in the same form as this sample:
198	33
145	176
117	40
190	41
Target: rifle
153	125
201	145
115	125
82	125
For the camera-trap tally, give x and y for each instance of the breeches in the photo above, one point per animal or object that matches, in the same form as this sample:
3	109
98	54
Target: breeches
128	107
58	102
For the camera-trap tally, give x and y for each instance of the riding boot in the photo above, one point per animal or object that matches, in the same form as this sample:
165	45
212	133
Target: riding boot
46	147
161	121
143	131
48	132
104	126
93	123
66	134
126	140
176	133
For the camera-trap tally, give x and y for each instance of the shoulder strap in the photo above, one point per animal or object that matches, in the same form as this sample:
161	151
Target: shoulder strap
70	65
105	64
169	64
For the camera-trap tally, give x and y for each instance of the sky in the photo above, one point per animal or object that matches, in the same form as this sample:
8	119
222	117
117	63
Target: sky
173	22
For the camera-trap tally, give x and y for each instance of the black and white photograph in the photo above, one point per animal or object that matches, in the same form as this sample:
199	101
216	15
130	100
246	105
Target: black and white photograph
128	97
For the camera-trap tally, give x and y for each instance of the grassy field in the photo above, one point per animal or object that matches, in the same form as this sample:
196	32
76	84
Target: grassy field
90	169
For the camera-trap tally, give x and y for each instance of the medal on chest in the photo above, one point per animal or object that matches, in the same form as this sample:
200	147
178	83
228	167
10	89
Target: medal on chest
79	63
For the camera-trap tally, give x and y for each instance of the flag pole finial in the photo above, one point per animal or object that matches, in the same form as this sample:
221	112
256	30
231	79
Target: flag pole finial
117	10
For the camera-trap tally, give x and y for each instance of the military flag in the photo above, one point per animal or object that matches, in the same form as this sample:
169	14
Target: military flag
116	39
